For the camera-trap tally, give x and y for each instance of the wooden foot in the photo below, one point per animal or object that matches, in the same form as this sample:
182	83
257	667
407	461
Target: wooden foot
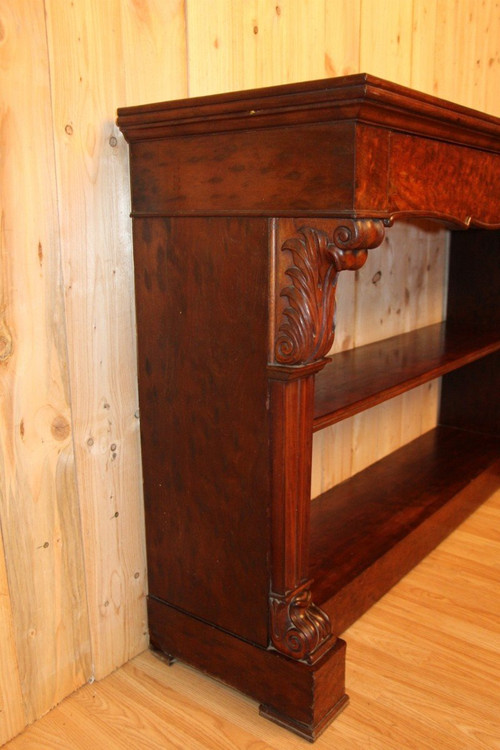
302	697
309	732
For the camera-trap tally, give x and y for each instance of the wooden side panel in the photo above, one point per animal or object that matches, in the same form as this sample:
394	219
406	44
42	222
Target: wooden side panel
206	478
202	334
104	55
39	512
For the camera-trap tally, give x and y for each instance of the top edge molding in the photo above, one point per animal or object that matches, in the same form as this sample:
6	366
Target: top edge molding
361	97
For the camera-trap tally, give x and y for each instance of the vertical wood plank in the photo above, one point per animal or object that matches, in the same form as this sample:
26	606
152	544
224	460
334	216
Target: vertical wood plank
489	45
249	43
456	51
12	713
154	61
386	39
106	55
38	497
402	283
342	38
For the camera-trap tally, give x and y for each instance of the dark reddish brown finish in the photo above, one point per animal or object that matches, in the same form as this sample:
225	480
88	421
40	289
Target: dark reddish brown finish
234	173
360	378
379	518
297	627
473	296
308	262
427	180
470	396
286	688
324	148
246	208
202	375
361	98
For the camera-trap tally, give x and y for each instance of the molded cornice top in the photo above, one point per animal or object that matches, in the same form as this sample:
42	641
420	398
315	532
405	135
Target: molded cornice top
362	98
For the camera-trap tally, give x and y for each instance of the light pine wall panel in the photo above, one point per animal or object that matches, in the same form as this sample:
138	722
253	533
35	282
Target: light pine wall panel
240	44
106	55
456	51
12	711
39	513
69	447
386	39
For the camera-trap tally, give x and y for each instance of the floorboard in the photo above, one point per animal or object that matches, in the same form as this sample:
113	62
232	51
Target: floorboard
423	673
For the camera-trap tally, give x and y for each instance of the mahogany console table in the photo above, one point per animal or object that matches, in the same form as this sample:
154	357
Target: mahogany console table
246	208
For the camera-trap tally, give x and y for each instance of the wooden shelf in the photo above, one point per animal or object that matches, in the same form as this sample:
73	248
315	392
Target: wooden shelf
360	378
369	531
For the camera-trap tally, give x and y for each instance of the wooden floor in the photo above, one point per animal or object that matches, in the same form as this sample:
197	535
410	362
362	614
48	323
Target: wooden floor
423	672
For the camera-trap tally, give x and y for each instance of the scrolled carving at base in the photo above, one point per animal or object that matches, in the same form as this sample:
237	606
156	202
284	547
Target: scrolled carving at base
299	629
306	330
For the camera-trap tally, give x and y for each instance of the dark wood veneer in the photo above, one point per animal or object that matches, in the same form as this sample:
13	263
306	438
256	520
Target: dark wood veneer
247	207
195	395
376	524
360	378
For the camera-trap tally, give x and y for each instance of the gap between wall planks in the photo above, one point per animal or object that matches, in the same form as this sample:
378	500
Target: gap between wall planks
105	55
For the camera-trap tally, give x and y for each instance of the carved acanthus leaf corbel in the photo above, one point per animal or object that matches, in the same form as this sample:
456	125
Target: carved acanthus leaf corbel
306	330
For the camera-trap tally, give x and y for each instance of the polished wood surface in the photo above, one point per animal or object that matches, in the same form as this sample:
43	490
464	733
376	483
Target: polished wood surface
360	378
422	667
370	530
202	376
360	97
230	196
268	149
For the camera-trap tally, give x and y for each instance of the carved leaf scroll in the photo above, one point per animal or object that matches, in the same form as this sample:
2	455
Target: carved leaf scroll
306	331
299	628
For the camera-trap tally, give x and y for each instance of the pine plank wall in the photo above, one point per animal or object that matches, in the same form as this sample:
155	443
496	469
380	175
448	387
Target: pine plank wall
72	561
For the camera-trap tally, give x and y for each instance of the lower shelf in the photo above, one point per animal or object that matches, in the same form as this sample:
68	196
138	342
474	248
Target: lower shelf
370	530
